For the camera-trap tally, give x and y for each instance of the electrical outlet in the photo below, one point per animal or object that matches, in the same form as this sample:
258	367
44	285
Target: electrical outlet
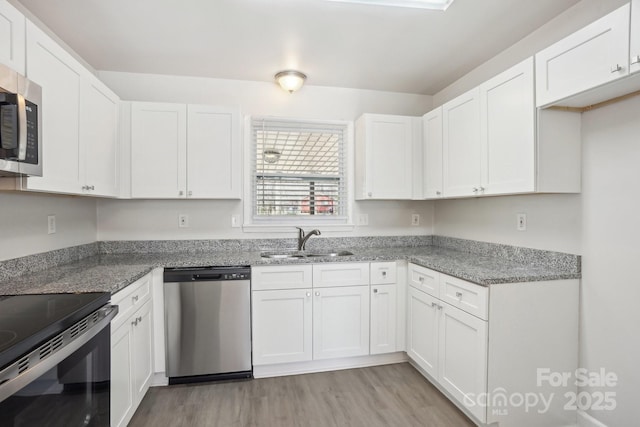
183	220
363	219
51	224
415	219
521	219
235	221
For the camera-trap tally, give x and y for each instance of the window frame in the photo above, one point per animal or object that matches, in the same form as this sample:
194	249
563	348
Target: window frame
326	223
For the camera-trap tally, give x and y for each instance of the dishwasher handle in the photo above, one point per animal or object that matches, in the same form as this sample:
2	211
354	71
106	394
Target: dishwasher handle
210	276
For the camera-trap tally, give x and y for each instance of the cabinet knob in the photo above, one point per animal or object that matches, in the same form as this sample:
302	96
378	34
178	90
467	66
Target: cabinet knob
135	322
134	299
139	319
92	187
375	291
369	194
317	294
458	294
190	193
180	193
616	68
635	59
308	294
482	189
438	193
475	189
384	274
433	304
439	307
421	279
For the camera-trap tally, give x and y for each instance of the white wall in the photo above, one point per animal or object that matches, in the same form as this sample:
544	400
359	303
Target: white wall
157	219
24	223
610	319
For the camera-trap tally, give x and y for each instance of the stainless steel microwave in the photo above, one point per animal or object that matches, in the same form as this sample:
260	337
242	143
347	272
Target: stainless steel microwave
20	124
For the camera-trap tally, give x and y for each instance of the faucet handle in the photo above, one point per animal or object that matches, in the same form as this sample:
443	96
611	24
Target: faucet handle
301	232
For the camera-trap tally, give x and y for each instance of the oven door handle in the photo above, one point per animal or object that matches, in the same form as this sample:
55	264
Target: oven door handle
12	380
22	128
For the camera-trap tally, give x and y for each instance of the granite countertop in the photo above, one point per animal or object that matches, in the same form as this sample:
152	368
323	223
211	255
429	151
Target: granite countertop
112	272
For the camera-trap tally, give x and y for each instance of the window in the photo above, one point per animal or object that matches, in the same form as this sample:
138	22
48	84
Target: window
298	171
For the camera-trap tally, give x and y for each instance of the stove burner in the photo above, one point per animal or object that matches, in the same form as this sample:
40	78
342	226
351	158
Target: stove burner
6	337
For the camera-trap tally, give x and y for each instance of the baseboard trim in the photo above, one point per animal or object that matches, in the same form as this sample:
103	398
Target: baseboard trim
586	420
280	370
159	379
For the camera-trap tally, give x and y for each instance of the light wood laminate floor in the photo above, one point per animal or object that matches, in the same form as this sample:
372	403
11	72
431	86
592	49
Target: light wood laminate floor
392	395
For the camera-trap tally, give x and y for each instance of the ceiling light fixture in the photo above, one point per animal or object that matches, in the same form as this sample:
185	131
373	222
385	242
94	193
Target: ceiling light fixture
417	4
290	80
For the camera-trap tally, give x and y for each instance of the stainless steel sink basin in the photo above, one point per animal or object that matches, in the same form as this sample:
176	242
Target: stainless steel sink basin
299	254
330	253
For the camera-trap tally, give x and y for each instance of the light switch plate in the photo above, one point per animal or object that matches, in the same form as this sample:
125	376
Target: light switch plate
363	219
415	219
51	224
183	220
521	224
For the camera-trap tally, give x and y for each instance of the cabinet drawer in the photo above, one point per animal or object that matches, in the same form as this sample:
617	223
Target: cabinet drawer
281	277
466	296
424	279
130	299
383	273
342	274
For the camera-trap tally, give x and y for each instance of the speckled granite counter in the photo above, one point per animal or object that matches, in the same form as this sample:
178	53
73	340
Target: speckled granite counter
114	271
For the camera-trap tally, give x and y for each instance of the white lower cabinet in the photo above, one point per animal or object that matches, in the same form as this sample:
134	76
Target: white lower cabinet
340	322
481	345
384	312
319	312
282	326
131	350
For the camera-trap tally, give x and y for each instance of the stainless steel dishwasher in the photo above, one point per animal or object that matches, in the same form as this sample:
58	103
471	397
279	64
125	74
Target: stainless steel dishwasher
207	323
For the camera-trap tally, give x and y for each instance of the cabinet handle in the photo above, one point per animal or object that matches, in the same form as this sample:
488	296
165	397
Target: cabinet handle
139	319
475	189
135	322
134	299
317	294
459	295
482	189
421	279
438	193
308	294
369	194
616	68
190	193
92	187
439	307
180	193
635	59
375	291
433	304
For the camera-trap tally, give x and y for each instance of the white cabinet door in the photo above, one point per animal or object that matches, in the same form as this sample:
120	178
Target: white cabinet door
214	165
590	57
423	319
462	357
432	135
384	303
461	145
121	372
386	142
142	351
282	326
507	123
59	74
158	150
99	138
12	34
635	36
340	322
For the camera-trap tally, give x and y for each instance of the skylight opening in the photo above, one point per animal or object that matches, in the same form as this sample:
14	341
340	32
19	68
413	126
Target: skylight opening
416	4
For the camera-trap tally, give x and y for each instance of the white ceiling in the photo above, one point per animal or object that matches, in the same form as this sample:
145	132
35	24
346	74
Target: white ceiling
335	44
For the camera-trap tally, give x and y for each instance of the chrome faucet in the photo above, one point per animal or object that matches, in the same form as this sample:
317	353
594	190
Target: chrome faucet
303	237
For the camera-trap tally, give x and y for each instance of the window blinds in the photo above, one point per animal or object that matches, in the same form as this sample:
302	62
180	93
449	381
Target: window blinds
298	168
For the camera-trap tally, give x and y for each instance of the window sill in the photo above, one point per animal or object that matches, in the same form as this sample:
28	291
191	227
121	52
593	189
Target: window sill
283	228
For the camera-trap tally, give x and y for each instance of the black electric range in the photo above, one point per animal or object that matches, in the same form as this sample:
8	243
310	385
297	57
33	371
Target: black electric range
28	320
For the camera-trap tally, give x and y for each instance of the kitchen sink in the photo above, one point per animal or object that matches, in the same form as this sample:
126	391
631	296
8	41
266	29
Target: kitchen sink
304	254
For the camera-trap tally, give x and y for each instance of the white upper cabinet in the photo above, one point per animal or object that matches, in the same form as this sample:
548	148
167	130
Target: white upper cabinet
590	57
432	136
60	76
461	145
158	150
507	125
12	37
213	153
384	150
635	37
185	151
99	139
